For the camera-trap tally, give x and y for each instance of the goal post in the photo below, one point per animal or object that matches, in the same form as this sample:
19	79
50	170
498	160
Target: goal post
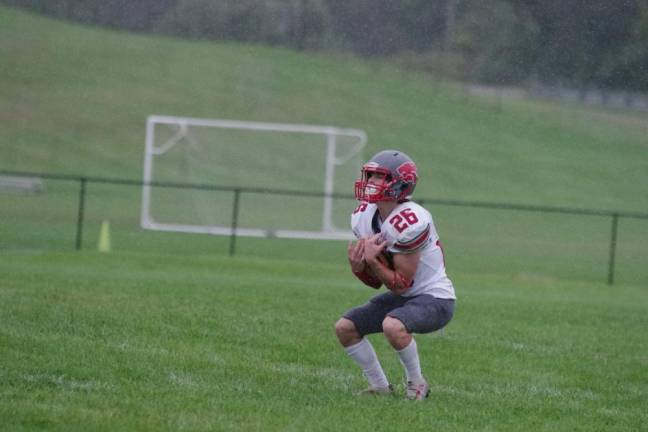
318	163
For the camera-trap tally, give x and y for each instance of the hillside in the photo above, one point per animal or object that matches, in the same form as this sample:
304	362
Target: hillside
74	100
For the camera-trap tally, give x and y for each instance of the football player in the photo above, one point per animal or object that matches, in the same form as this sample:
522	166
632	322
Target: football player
398	247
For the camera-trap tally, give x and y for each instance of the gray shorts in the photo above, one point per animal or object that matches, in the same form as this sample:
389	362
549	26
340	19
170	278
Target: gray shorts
419	314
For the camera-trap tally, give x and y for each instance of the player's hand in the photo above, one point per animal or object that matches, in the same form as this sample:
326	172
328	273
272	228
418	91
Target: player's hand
356	255
374	246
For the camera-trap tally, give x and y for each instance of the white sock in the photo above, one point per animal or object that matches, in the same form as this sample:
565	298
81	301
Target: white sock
410	360
363	353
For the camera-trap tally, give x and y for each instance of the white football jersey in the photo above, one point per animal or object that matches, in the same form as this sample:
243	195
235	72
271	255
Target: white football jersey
409	228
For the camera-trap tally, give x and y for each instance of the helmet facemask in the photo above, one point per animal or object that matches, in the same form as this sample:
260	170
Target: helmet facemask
400	178
389	190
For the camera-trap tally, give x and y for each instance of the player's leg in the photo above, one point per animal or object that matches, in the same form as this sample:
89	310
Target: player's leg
346	332
351	329
366	319
362	352
421	314
396	333
405	345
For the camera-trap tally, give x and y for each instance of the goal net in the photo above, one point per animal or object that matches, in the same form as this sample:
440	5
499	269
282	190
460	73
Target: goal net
256	179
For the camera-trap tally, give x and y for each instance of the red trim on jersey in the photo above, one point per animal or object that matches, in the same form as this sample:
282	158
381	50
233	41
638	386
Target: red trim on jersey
416	242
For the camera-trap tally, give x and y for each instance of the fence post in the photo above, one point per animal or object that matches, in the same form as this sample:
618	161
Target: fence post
235	209
613	240
79	232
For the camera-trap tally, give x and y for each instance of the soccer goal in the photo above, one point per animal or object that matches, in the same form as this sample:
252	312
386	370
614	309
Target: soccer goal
256	179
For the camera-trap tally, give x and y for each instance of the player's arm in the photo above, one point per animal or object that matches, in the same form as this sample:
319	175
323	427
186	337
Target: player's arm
400	278
359	265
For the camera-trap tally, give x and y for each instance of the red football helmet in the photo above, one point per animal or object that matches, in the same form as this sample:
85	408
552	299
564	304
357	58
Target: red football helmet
400	178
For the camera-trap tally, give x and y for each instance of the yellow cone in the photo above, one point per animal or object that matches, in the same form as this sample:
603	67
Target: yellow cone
104	237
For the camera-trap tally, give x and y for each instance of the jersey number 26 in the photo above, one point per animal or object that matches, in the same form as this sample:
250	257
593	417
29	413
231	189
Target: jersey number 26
403	219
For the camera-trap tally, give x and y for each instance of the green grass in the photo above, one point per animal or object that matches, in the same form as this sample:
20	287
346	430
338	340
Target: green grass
170	333
75	99
158	342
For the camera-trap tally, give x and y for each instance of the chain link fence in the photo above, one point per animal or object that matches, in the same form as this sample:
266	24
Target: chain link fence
50	212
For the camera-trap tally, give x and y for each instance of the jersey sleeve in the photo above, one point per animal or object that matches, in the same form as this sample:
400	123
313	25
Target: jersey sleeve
355	224
361	220
412	232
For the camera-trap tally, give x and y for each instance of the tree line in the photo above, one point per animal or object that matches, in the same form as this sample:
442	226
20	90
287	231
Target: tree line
577	43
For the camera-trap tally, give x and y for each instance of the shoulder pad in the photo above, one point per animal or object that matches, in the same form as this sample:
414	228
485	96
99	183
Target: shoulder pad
409	229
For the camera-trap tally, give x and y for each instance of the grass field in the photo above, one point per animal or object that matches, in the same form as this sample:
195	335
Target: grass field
75	100
168	332
158	342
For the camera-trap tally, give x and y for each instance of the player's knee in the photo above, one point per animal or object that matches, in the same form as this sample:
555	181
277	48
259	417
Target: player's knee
344	328
393	327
